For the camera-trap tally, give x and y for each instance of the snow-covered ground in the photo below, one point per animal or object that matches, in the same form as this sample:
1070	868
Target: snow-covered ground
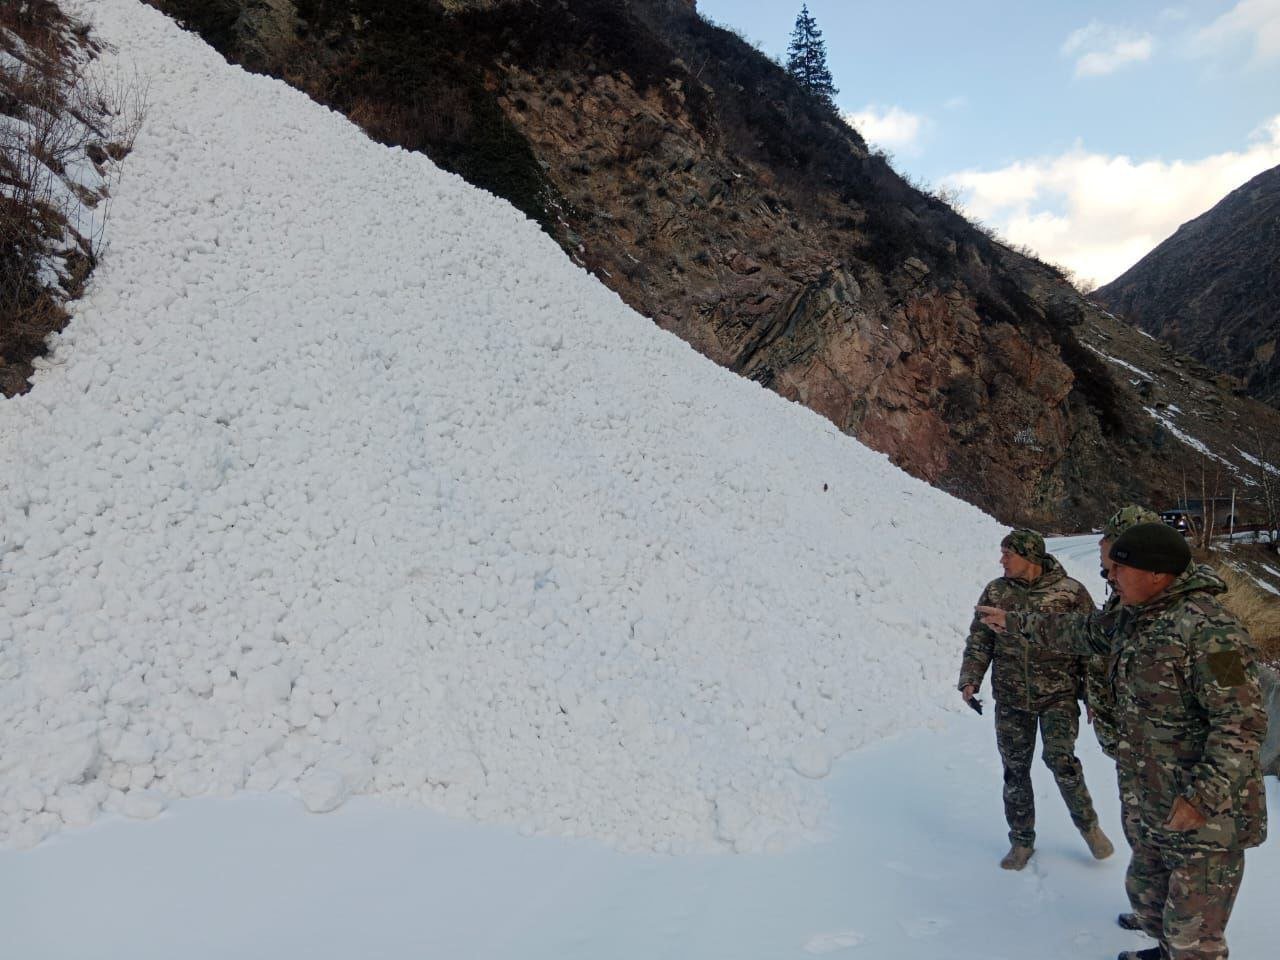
1120	363
1166	421
905	870
345	491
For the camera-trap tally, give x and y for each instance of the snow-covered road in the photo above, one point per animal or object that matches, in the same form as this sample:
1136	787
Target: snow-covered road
907	871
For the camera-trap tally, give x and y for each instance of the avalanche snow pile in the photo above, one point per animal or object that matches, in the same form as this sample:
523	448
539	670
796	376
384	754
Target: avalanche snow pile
344	480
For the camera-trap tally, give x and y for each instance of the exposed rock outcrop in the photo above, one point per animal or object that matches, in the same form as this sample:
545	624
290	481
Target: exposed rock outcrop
1213	289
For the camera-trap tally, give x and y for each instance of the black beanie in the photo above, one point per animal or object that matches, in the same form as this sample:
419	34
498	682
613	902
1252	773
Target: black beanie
1156	547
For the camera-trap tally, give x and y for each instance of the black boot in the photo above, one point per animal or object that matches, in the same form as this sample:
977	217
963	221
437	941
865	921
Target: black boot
1150	953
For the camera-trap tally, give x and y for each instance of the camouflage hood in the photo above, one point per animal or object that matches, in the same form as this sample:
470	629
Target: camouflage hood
1197	578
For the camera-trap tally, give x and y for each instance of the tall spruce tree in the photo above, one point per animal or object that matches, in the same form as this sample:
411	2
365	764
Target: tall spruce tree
807	56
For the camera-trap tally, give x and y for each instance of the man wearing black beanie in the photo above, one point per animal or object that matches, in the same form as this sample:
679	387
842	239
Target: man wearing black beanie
1193	718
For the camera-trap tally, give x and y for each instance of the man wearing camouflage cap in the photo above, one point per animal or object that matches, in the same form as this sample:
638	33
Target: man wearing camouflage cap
1190	710
1032	688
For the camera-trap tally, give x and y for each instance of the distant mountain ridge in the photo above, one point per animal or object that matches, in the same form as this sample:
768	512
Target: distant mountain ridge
690	174
1212	289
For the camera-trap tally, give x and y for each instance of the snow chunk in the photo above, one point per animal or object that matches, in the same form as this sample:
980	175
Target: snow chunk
811	760
143	804
323	790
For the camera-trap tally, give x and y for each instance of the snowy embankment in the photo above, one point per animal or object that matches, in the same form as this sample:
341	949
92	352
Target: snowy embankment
343	480
64	121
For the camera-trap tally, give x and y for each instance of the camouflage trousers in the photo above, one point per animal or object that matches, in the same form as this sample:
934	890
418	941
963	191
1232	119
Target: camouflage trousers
1059	725
1185	900
1130	811
1110	741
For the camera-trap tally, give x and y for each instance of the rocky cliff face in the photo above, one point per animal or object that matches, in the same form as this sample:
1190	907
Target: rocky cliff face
687	172
1213	288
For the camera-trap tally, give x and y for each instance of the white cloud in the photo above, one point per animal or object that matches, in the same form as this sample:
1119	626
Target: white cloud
1254	23
1097	214
890	128
1100	49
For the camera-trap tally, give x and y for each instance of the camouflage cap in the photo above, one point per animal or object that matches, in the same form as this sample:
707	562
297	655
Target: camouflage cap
1026	543
1156	547
1127	517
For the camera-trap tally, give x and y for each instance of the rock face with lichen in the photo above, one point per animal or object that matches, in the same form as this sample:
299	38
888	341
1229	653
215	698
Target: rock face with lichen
691	175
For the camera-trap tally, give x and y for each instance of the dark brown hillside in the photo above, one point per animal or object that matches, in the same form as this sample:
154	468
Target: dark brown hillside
1213	288
690	174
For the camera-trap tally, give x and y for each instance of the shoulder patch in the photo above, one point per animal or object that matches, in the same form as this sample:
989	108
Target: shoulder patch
1227	667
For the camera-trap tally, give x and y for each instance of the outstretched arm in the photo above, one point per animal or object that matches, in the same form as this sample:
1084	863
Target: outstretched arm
1079	633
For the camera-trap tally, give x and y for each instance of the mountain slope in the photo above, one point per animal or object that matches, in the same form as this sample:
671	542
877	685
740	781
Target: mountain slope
1212	289
691	175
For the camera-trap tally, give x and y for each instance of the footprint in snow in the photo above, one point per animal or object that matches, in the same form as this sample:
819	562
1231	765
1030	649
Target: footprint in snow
908	870
831	942
922	927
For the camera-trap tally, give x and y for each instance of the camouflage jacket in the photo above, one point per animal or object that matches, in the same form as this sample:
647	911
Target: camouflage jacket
1100	691
1189	707
1023	676
1093	635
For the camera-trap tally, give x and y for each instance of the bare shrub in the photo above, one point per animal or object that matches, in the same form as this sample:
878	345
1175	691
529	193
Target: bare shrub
64	121
1266	483
1201	530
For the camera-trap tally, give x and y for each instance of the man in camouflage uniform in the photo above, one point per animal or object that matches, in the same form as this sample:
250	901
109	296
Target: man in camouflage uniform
1100	693
1100	696
1032	688
1192	722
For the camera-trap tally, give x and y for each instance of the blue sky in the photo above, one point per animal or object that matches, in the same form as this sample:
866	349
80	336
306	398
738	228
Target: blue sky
1086	130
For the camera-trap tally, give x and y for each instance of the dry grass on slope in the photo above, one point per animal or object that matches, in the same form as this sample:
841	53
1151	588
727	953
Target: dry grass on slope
1257	609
